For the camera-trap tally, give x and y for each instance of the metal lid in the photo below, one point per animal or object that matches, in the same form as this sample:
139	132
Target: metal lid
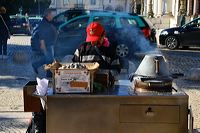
153	65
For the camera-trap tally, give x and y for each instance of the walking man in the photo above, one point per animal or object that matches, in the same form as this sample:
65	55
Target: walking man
4	31
47	36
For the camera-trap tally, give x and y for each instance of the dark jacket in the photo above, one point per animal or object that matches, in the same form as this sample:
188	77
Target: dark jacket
47	32
3	30
89	53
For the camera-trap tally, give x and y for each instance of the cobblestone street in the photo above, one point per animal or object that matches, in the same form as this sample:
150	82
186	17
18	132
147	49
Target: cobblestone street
15	72
13	76
182	62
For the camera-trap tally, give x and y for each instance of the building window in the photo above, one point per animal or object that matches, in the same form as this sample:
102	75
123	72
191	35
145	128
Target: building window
79	1
66	2
93	2
109	1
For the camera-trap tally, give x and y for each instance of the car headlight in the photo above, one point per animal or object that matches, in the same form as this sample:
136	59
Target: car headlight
164	33
176	32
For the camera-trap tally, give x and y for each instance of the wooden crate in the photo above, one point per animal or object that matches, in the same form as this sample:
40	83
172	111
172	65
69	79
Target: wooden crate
31	103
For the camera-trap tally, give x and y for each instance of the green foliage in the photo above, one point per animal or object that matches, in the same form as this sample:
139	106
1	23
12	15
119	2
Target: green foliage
28	6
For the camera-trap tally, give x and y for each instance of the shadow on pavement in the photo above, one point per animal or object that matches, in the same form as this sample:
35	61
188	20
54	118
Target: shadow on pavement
12	125
16	70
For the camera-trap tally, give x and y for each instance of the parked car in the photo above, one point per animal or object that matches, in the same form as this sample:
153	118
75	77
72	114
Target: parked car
152	28
34	21
123	30
184	36
19	25
149	31
67	15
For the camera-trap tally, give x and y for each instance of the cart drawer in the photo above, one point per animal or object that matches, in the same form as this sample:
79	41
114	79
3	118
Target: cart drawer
149	113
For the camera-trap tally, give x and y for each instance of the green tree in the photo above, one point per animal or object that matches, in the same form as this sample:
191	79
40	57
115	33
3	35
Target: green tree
28	6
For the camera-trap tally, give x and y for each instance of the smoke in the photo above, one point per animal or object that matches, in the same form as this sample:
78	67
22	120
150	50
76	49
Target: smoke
138	45
129	35
134	38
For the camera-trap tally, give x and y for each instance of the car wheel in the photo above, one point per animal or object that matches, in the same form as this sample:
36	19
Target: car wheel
171	42
122	50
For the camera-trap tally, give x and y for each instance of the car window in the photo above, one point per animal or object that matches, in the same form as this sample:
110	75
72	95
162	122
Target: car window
61	18
66	16
106	21
128	21
34	20
73	14
133	21
194	23
76	24
18	20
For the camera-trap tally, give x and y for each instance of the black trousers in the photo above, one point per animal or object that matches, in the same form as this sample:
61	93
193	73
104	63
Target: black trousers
3	46
38	123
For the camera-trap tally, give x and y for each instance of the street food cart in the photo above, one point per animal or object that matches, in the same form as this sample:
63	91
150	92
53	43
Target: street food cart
120	109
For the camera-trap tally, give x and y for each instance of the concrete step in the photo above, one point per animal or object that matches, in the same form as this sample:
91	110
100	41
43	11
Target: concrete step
15	115
16	108
14	122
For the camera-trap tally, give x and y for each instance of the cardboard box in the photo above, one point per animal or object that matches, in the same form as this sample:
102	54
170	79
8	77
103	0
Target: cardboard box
73	81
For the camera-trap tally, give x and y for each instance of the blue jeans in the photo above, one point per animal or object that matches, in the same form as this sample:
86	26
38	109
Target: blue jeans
44	58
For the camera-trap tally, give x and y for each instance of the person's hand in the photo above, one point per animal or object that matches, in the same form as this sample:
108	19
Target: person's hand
131	76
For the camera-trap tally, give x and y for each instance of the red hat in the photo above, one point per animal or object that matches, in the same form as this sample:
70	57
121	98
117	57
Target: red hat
94	32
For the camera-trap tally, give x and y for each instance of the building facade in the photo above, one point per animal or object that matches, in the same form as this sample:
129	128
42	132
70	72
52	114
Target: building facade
165	13
152	8
112	5
159	8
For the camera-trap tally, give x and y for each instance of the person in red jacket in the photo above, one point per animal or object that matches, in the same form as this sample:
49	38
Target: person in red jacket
96	48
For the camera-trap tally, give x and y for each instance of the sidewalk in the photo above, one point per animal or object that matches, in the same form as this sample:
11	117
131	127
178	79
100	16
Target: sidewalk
14	122
13	76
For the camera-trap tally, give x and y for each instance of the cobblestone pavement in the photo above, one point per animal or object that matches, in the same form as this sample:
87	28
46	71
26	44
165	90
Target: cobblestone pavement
14	74
16	71
14	122
182	62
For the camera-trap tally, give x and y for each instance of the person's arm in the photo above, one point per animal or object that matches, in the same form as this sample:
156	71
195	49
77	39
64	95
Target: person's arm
43	46
78	53
115	64
42	37
76	57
